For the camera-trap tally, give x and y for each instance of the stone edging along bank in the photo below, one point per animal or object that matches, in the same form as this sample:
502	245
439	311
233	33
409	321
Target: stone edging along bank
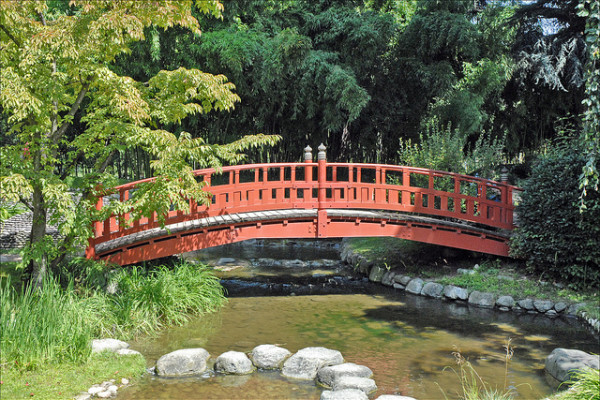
430	288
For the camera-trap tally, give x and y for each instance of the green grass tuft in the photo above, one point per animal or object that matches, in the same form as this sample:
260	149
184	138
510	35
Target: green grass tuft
585	385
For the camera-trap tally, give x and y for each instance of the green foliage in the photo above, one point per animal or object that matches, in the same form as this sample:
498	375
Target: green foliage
50	325
584	385
553	237
549	53
590	10
489	282
474	387
56	324
9	210
147	300
65	104
447	150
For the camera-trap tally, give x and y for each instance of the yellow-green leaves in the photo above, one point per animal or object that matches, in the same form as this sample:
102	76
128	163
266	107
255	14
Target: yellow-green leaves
14	187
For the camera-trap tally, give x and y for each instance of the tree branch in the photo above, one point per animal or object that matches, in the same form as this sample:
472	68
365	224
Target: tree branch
10	36
70	166
63	128
26	203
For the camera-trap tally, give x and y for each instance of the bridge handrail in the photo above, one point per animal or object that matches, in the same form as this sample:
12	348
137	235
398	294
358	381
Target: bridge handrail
317	185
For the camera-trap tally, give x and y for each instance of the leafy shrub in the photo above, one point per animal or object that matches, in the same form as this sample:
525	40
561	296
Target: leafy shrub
55	324
447	150
553	236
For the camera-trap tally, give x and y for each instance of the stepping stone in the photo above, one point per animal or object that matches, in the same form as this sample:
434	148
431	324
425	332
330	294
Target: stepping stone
327	375
306	362
269	356
182	362
346	394
235	363
352	382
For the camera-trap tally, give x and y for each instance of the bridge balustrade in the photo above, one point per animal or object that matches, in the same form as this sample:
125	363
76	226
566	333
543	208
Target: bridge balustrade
322	186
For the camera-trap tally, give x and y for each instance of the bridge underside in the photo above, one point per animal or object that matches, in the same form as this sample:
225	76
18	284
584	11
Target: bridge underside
298	223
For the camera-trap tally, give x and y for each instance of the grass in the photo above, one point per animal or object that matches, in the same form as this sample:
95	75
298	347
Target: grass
46	333
501	277
67	379
474	387
585	385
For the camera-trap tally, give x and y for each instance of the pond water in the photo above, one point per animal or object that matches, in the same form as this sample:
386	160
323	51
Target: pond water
408	341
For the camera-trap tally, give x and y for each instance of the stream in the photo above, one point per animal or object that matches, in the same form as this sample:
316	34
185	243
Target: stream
297	294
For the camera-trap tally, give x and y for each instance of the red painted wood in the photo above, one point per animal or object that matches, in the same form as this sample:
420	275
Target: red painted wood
281	186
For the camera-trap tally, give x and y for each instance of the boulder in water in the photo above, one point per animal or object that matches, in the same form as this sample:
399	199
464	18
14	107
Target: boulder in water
561	363
328	375
306	362
367	385
346	394
182	362
269	356
234	362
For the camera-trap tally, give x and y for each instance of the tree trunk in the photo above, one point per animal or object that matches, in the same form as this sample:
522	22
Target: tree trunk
39	266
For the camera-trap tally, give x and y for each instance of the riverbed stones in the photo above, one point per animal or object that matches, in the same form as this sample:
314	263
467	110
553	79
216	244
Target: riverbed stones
376	273
560	306
561	363
415	286
432	289
326	376
505	301
269	356
128	352
543	305
394	397
526	304
112	345
455	293
367	385
482	299
346	394
388	278
306	362
182	362
402	279
234	363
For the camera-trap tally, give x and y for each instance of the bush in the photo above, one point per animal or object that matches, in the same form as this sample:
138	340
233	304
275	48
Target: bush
447	150
55	324
553	236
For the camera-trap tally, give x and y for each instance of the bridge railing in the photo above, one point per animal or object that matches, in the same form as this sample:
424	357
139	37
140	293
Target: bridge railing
323	185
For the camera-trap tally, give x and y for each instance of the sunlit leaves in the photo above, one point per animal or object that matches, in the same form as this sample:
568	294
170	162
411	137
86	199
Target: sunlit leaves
14	187
58	67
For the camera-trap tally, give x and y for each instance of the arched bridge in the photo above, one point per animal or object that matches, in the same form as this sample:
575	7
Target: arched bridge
318	200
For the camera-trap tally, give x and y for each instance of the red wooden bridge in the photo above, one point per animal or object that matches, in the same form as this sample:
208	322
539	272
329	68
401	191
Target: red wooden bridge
318	200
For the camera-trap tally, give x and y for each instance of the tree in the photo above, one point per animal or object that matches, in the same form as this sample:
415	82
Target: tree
547	85
57	61
590	176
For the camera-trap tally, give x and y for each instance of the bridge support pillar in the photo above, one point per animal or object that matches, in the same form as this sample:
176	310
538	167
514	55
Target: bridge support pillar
322	222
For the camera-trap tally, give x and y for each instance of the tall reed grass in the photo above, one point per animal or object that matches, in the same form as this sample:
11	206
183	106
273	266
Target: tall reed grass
38	326
56	323
150	299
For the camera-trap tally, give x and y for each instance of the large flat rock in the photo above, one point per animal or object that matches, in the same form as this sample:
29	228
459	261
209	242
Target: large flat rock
182	362
561	363
269	356
306	362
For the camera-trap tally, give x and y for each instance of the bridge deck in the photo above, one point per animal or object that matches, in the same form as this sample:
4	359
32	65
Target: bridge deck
230	228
